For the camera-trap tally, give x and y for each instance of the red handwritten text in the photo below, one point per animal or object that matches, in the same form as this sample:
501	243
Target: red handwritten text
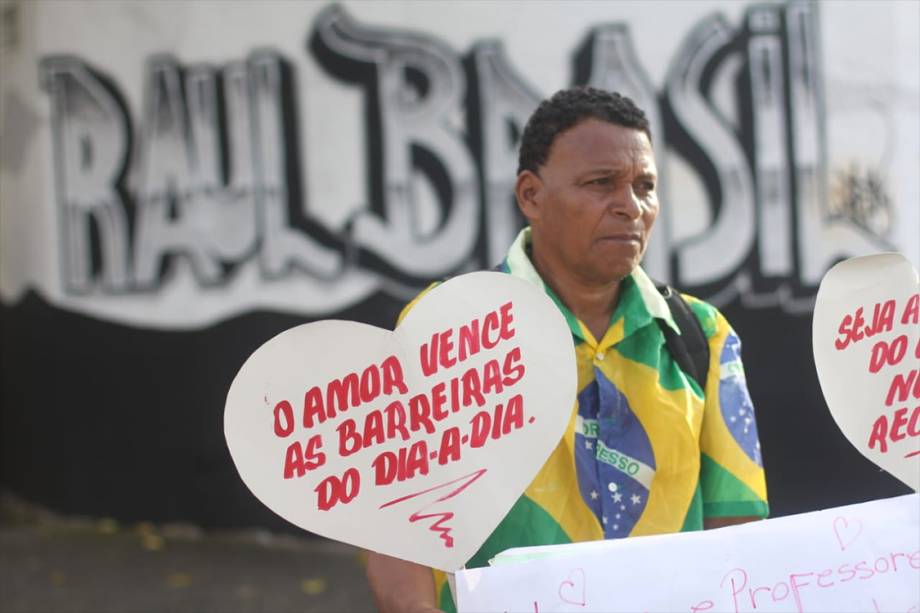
572	590
342	394
472	338
407	419
901	385
895	429
890	353
443	517
405	463
746	595
301	458
426	410
911	313
852	328
333	490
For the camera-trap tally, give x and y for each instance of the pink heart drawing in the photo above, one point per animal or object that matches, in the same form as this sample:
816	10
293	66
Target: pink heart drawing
845	533
569	589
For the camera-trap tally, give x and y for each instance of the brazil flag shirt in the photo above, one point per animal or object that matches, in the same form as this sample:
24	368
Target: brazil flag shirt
646	451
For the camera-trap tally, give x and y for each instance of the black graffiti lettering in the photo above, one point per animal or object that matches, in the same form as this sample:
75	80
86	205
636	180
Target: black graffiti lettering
498	105
807	153
770	160
288	235
171	220
202	194
237	166
859	194
720	251
215	174
91	132
414	87
820	241
220	178
219	201
230	185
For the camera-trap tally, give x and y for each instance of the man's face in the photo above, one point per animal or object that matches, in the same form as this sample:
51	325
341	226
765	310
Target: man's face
594	202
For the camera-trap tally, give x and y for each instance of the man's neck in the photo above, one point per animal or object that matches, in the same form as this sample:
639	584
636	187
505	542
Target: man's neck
592	304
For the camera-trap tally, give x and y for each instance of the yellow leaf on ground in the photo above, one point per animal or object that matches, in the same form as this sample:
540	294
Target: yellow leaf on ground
313	586
145	527
152	542
177	580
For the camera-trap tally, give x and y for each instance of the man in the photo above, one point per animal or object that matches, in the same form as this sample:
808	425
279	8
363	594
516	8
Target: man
646	451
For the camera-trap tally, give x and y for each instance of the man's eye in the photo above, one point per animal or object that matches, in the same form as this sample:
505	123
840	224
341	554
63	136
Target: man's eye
600	181
647	186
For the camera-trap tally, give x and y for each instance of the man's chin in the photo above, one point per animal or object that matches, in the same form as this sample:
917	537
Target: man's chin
608	275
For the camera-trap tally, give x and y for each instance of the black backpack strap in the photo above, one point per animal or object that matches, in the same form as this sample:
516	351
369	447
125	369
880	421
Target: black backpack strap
690	348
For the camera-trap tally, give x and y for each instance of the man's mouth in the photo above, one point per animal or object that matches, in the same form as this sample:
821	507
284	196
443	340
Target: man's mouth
623	237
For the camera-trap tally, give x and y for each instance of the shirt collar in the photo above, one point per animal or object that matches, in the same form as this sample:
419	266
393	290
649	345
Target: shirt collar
640	301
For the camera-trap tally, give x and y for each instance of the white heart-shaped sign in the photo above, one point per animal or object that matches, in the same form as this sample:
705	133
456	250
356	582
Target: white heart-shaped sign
866	340
414	443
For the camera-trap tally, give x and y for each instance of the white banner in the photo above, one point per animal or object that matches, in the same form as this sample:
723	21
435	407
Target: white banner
863	557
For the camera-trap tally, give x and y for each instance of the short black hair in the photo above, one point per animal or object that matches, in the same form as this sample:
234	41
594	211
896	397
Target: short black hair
568	107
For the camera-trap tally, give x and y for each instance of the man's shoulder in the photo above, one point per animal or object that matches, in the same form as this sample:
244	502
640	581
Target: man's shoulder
415	301
710	318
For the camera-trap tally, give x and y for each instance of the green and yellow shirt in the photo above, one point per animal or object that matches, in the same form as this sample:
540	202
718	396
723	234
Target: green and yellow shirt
646	451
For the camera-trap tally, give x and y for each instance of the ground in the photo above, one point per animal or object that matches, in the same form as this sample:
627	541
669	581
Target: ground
51	564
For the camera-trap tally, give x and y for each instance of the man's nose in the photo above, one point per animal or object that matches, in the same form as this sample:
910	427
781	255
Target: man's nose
625	203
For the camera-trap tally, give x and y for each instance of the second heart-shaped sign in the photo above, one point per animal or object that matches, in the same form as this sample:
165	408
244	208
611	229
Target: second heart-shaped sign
413	443
866	341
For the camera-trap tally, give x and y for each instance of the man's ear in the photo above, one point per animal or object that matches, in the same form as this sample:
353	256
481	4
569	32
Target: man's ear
528	190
